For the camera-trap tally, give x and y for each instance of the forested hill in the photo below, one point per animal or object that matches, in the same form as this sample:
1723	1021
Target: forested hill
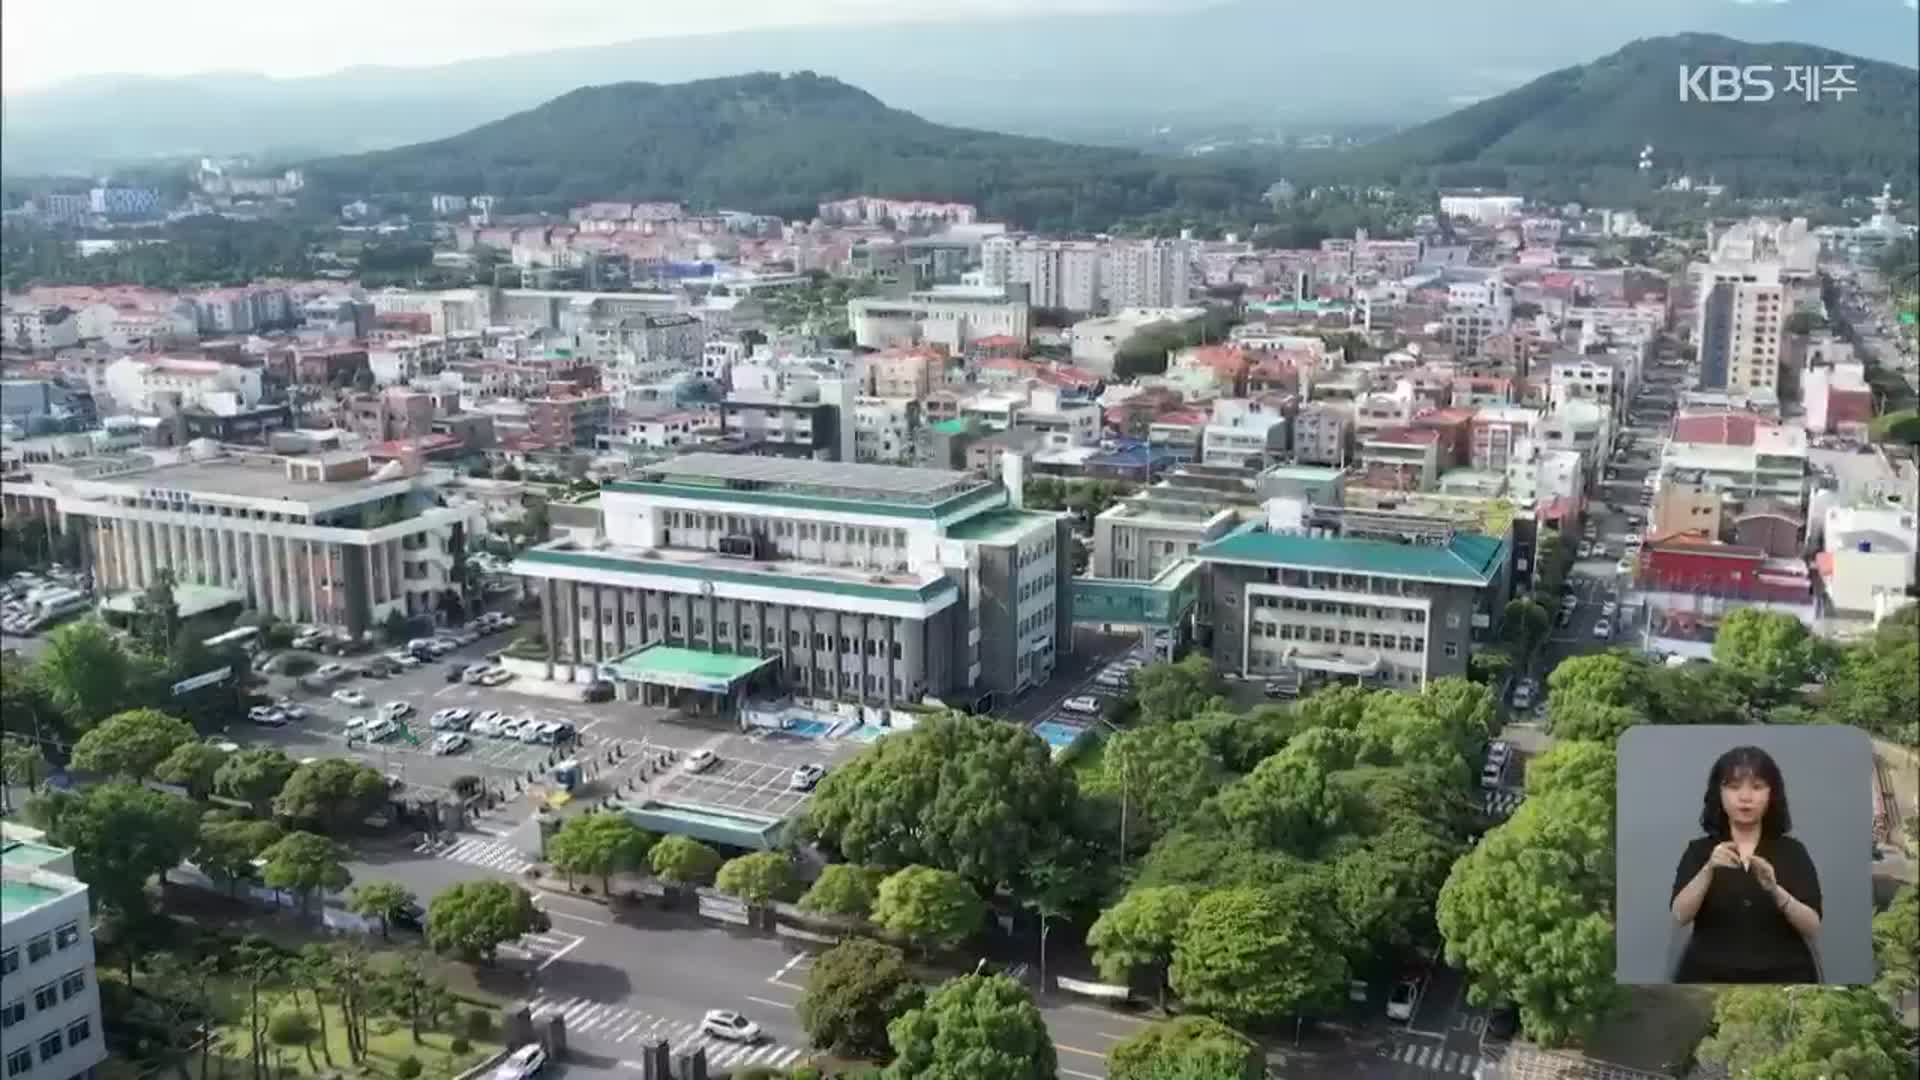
1598	117
780	144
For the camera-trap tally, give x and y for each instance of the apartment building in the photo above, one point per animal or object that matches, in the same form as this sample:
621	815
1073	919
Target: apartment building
157	385
1322	433
1837	399
855	587
1481	209
561	419
1139	537
953	316
1319	594
50	1018
906	373
1147	274
1245	434
885	429
395	413
323	538
37	328
1065	274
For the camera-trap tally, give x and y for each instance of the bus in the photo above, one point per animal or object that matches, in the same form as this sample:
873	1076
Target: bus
244	638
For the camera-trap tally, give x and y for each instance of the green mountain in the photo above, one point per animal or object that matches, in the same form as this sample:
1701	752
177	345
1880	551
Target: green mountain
1595	119
780	144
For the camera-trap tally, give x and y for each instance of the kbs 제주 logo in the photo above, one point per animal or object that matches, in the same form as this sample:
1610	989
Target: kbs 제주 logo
1720	83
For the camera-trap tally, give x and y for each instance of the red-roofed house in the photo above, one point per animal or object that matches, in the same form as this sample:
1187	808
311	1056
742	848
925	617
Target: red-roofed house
1717	428
995	345
1411	454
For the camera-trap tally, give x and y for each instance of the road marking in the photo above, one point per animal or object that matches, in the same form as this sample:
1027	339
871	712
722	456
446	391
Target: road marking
577	918
548	962
1077	1050
1108	1013
787	985
1064	1071
769	1001
788	966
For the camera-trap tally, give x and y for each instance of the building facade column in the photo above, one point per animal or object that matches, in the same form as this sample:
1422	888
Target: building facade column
573	621
547	628
599	627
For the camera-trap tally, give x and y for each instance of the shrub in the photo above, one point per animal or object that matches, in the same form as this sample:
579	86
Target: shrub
408	1069
479	1024
459	1044
297	664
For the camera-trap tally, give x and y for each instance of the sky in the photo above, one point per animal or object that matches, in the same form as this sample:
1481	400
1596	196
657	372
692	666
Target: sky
43	42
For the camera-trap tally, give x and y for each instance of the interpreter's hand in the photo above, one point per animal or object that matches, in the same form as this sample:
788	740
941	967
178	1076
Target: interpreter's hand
1762	871
1725	854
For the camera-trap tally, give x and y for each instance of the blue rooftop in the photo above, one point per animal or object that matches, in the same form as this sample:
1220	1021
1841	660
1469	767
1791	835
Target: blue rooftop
1469	559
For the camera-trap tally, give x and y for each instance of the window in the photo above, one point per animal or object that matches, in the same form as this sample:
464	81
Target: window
72	983
9	961
79	1030
1451	649
793	639
720	629
675	625
746	632
45	997
19	1061
66	936
896	650
630	618
653	620
50	1046
13	1012
39	948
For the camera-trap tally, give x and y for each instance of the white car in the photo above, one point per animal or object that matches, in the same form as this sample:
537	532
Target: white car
329	671
1499	750
729	1025
1401	1003
805	777
394	710
508	727
1083	703
701	760
487	723
1603	630
1523	696
356	729
450	742
496	677
1625	565
266	716
532	731
1586	551
474	674
381	728
353	699
292	709
1607	609
450	719
522	1064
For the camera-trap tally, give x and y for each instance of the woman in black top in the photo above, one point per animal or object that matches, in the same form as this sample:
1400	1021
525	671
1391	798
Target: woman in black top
1749	890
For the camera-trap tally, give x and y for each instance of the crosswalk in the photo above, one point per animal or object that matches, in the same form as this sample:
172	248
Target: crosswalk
543	948
1431	1057
602	1023
481	851
1503	803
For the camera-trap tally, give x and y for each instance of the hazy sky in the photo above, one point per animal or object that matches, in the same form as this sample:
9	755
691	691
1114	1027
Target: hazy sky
46	41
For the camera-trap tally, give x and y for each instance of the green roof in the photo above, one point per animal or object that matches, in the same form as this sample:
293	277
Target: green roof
17	897
996	525
1469	559
956	426
630	565
732	829
690	669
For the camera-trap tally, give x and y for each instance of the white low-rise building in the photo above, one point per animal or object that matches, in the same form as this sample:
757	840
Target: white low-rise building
50	1018
158	385
954	316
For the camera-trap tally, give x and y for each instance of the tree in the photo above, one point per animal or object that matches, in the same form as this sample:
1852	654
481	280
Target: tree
1525	624
983	800
332	794
1185	1048
935	908
293	1027
1876	684
1597	697
1771	1033
1138	934
157	614
474	918
121	835
1896	946
382	900
226	847
254	776
131	744
843	889
599	844
1248	955
1528	912
683	861
192	765
23	764
1160	773
85	672
973	1028
1169	693
394	627
759	878
1773	649
1697	694
1286	803
853	991
304	864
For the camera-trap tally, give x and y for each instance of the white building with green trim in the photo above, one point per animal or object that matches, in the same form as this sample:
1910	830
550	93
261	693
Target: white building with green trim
852	588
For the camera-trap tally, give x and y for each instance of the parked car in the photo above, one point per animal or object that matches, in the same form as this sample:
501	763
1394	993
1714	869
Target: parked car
329	671
266	716
532	730
474	673
351	698
1523	696
508	727
1603	629
806	776
293	709
456	673
381	728
496	677
450	742
1403	1000
449	719
523	1064
701	760
599	691
1083	703
729	1025
1490	774
487	723
396	710
1503	1022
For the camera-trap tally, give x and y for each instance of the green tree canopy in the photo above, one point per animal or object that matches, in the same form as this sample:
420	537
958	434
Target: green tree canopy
758	878
854	990
599	844
192	765
305	865
474	918
254	775
382	900
1896	946
1771	1033
1774	650
331	794
1162	773
1876	684
928	906
122	835
1597	697
130	745
1138	934
86	672
843	889
682	860
1248	955
1172	692
973	1028
981	799
226	847
1186	1048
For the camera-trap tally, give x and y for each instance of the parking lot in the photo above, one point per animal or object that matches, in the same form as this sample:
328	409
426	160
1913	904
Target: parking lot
742	784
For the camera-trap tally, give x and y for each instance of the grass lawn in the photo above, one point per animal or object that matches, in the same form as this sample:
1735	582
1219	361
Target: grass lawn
389	1042
1659	1027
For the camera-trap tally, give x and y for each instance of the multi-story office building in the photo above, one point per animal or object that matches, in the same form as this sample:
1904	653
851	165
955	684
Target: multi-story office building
853	586
1324	594
1063	274
954	316
323	539
50	1019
